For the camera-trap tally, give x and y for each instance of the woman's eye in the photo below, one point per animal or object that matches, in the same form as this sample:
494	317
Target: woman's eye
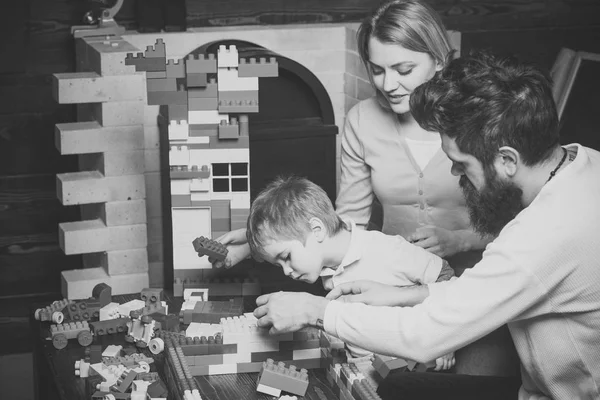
405	72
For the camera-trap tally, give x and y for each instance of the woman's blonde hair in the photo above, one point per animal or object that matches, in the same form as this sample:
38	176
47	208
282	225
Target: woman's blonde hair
412	24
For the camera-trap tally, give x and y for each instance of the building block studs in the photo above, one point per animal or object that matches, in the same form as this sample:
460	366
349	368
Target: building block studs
228	57
201	64
249	68
229	130
282	378
209	247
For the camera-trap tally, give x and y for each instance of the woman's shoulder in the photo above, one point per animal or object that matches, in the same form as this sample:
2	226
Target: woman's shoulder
369	111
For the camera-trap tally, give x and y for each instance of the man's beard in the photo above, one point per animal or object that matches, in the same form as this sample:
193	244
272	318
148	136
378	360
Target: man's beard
496	205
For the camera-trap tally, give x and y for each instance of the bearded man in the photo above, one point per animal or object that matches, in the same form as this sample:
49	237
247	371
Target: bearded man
540	276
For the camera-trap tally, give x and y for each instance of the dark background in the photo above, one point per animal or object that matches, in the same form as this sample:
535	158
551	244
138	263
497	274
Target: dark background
37	43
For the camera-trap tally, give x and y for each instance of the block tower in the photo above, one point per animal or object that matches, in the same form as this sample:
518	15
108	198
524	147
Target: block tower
208	99
110	188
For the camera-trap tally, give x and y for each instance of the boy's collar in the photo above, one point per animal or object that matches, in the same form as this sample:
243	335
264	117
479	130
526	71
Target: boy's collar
354	251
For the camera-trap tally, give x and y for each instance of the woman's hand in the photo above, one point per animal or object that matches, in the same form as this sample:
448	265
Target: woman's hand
378	294
237	246
438	241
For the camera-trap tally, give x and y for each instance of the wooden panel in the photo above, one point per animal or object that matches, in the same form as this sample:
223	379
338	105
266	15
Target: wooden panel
462	15
30	259
27	143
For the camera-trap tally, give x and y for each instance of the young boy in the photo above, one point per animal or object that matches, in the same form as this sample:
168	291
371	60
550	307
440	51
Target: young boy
292	223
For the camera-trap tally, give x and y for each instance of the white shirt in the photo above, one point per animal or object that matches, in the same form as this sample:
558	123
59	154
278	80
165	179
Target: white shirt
541	276
382	258
423	150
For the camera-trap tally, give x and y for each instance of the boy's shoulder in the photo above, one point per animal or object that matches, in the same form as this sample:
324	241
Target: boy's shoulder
377	239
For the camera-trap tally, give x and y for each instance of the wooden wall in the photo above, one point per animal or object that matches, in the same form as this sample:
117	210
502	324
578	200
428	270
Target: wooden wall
37	43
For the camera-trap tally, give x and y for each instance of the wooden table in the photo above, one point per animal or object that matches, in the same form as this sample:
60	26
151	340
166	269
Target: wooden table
54	375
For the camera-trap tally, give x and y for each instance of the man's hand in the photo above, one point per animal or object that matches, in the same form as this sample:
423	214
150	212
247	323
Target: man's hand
289	311
378	294
438	241
237	246
445	362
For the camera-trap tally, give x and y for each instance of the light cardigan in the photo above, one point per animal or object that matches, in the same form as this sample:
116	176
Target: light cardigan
376	160
541	275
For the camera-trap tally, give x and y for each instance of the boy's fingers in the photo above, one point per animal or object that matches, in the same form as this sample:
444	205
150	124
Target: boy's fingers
344	289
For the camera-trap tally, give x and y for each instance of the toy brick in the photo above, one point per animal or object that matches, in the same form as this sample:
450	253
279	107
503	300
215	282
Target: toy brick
238	106
91	137
178	130
309	363
152	295
175	69
109	311
53	312
89	87
229	130
244	125
82	310
221	224
195	173
306	354
179	155
206	117
126	187
156	74
177	112
179	200
114	163
229	80
211	248
81	188
158	50
241	142
169	322
107	57
249	367
268	390
127	381
168	98
116	213
220	208
161	85
300	345
199	370
274	355
82	368
196	80
251	288
227	56
197	130
112	351
209	91
143	63
157	389
233	95
201	143
220	369
83	237
263	69
208	359
201	64
285	379
77	284
118	113
202	103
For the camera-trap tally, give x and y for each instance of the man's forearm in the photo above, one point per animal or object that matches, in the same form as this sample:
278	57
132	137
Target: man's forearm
470	240
410	296
315	311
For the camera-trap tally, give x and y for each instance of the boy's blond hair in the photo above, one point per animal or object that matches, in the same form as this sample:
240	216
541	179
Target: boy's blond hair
283	209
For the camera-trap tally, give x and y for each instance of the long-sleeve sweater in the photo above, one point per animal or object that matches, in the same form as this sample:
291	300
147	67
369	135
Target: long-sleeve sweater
376	160
541	275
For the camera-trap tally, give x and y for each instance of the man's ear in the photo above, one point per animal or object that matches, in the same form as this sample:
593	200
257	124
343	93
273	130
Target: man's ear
508	161
318	229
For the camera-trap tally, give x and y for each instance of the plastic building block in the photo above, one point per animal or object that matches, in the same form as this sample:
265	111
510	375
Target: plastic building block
156	74
238	106
178	130
210	91
197	294
53	312
93	354
156	51
384	364
184	172
196	80
82	310
209	247
145	64
103	293
178	97
151	296
125	309
157	389
175	69
109	327
112	351
109	311
249	68
227	56
82	368
229	130
161	85
61	333
202	103
233	95
284	379
244	125
201	64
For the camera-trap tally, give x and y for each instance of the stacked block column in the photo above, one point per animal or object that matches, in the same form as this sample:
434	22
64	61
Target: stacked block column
110	188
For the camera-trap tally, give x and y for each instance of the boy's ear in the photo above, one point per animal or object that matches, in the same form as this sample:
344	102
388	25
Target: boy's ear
318	229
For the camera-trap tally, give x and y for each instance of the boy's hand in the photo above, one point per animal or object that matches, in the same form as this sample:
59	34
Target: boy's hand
237	246
445	362
438	241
